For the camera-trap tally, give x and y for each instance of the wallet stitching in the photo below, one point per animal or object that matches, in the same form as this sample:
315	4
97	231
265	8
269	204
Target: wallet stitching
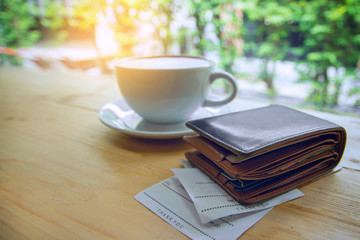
261	146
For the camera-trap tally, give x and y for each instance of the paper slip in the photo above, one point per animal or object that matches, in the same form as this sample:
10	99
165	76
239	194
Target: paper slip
212	202
170	201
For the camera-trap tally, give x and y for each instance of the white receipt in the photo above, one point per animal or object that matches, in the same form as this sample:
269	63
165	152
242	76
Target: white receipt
184	202
170	201
212	202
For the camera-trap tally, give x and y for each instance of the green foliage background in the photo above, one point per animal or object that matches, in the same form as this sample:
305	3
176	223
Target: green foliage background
21	20
17	26
318	36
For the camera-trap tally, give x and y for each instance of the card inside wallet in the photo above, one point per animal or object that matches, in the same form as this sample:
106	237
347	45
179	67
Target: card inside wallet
261	153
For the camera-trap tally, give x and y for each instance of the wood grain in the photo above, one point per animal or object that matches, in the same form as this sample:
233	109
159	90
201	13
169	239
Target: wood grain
64	175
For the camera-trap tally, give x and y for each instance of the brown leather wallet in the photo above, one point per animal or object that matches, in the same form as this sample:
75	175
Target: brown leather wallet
260	153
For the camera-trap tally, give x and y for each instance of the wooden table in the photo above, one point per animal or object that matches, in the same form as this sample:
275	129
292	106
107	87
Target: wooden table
65	175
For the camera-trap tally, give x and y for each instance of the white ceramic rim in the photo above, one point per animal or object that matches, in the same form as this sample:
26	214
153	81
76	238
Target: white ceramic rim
119	61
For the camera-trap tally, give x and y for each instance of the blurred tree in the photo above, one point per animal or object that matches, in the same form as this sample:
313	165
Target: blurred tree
322	36
163	15
20	23
331	41
120	15
267	25
199	10
218	29
17	27
228	22
53	16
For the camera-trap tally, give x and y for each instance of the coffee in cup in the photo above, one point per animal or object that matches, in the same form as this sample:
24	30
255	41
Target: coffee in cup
169	89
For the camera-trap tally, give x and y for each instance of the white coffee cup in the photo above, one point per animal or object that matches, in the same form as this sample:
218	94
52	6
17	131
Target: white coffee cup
169	89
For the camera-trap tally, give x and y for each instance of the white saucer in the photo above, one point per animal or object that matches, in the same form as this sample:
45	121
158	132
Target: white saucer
118	115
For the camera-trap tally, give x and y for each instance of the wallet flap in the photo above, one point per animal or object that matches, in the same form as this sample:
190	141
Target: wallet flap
260	130
208	148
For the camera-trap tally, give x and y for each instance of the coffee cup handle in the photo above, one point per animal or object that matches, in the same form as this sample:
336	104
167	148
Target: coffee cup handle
231	80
